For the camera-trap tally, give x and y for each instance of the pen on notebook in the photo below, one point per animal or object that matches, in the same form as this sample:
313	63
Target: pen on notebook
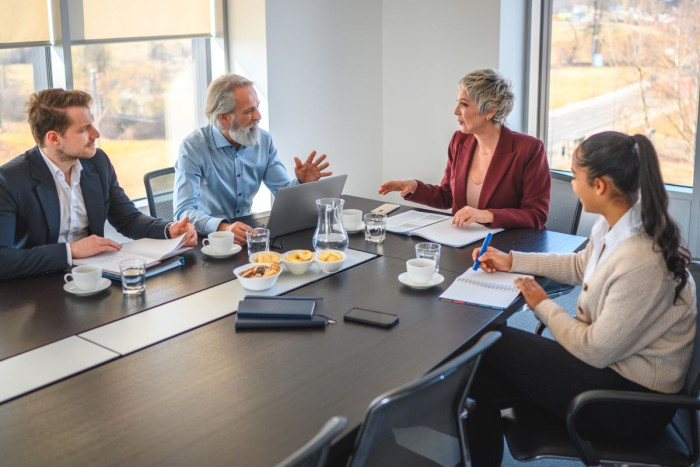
483	250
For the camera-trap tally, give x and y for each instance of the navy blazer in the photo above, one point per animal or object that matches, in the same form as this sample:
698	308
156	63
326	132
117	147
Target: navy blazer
30	214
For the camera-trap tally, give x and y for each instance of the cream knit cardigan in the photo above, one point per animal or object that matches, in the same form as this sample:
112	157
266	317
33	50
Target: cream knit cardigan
625	318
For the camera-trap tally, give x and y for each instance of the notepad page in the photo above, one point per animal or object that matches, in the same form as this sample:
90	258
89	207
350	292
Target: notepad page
447	234
493	290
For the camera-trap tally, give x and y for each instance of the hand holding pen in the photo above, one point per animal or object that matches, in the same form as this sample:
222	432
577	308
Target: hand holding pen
491	260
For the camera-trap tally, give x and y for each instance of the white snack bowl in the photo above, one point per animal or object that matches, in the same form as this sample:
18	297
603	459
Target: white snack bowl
330	266
255	255
296	267
256	283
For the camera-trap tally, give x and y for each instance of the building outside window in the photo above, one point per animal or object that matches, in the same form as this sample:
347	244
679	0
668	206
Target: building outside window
630	66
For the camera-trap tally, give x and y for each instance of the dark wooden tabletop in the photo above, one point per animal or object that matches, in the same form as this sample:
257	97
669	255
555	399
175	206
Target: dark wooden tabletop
37	311
219	397
215	396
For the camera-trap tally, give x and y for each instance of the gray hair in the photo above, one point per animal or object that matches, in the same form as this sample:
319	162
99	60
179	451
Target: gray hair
220	98
490	91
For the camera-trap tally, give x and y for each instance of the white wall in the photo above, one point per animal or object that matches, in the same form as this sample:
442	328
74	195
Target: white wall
427	47
373	83
324	83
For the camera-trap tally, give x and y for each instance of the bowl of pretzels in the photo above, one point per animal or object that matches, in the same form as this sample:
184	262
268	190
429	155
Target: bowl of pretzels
258	276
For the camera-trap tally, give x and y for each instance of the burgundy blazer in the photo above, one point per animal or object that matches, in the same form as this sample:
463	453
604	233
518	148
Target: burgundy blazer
516	187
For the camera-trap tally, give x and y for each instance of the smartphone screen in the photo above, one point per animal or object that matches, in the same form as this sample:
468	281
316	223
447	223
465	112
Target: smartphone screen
371	317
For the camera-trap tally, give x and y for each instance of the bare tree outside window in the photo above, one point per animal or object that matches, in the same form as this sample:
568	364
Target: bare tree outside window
630	66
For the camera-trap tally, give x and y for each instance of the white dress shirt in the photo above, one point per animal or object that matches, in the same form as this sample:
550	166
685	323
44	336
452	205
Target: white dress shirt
603	236
74	220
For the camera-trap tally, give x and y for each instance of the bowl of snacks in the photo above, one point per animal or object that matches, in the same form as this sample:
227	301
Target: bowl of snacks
330	260
265	257
258	276
298	261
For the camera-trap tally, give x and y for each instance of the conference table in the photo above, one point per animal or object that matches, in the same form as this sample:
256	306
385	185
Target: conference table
207	394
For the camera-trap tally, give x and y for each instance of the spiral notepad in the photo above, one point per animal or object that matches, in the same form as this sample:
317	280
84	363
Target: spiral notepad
492	290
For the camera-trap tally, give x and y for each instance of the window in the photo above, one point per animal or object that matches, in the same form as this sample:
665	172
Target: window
627	66
147	69
16	84
144	102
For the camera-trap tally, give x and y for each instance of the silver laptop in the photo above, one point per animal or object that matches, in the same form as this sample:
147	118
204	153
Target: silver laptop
294	208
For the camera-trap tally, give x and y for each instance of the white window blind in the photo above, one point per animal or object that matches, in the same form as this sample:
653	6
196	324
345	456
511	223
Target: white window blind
24	22
102	20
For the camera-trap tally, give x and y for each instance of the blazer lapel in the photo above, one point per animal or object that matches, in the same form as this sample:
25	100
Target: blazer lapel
45	190
92	194
500	163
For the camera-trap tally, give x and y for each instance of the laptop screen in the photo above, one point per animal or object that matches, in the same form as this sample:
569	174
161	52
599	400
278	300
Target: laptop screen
294	207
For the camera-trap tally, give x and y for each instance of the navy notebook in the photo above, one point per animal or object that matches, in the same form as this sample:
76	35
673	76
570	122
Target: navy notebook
299	308
268	323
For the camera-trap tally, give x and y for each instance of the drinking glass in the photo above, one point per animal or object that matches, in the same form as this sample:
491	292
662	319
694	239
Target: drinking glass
375	227
133	272
258	240
430	251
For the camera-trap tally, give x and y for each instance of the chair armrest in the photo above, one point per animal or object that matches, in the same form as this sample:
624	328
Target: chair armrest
584	447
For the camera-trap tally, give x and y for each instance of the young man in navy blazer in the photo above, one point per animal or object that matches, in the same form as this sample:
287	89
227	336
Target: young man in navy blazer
55	198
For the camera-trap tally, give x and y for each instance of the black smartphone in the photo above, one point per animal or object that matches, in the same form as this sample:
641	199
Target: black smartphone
371	317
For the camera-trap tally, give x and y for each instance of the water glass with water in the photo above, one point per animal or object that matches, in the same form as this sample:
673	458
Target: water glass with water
375	227
133	272
430	251
258	240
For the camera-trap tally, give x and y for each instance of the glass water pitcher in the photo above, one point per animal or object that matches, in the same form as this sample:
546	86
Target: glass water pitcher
330	233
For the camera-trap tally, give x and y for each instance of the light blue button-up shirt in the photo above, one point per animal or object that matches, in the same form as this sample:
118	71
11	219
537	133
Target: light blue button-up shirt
214	183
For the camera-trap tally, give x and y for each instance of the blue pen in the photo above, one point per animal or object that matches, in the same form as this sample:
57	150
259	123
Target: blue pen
483	250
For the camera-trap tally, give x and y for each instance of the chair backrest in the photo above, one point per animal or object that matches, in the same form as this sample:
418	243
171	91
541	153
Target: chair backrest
159	191
422	419
564	205
692	380
315	451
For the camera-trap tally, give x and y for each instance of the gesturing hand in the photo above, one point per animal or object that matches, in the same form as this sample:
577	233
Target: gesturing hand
406	187
92	245
311	170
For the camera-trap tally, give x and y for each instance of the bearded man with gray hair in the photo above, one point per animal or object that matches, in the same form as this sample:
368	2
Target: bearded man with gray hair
220	166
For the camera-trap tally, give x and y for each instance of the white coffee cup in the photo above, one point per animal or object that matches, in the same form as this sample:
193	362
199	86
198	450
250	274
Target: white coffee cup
352	219
420	270
219	242
85	277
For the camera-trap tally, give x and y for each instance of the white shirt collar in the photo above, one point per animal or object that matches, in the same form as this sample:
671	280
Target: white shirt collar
58	173
603	236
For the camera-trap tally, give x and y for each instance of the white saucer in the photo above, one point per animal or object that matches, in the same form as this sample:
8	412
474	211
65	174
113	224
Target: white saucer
234	249
101	285
359	228
436	279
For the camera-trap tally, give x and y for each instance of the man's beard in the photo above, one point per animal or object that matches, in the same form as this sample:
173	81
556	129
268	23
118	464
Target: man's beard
248	136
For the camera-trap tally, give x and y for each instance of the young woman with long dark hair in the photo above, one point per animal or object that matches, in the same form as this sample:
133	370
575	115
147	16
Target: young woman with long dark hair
635	320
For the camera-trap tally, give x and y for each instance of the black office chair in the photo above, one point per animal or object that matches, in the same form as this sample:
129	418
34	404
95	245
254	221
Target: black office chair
159	191
564	206
315	452
421	422
533	434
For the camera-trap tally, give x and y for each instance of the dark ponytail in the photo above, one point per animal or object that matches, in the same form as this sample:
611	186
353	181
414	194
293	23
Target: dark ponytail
633	166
